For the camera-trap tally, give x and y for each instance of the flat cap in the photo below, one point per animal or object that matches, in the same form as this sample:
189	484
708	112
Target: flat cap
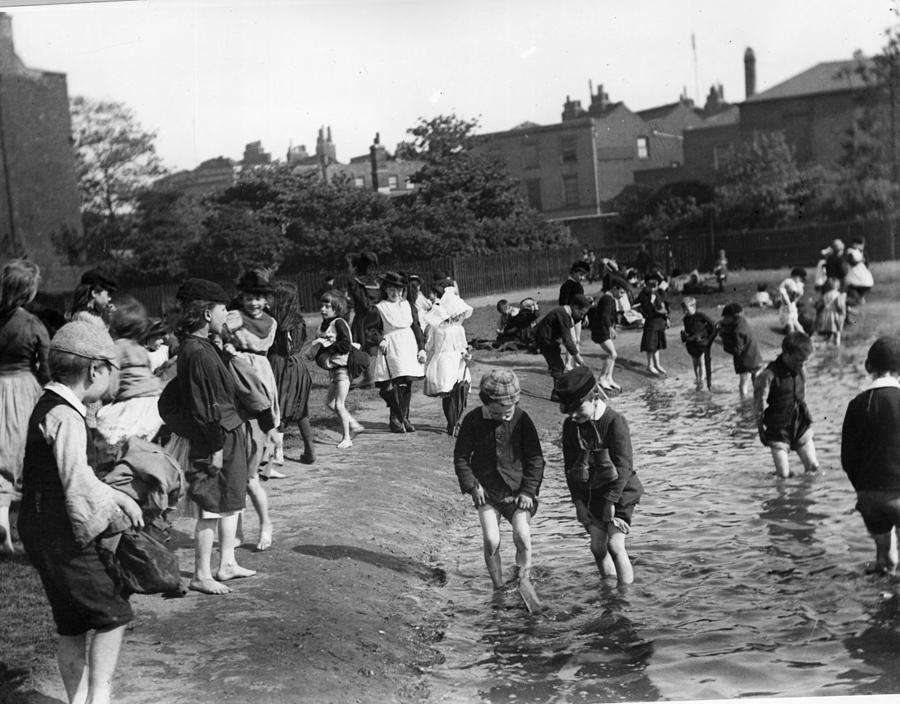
573	387
99	279
85	339
500	386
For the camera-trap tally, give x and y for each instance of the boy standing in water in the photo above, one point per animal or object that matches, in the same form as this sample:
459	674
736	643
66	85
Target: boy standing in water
697	336
870	451
600	475
779	399
499	462
737	340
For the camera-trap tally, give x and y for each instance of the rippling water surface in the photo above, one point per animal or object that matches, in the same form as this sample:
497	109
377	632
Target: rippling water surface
745	585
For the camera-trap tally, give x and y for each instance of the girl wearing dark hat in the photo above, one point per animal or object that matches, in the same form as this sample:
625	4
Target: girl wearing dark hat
602	482
401	350
92	298
655	310
252	332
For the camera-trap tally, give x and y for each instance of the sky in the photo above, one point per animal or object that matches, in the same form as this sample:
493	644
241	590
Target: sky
209	76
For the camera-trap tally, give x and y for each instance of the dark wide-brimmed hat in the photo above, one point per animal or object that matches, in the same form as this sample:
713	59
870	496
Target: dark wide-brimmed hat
255	281
573	387
98	279
155	328
393	278
201	290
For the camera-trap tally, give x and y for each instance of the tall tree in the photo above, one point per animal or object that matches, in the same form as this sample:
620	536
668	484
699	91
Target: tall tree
465	198
115	158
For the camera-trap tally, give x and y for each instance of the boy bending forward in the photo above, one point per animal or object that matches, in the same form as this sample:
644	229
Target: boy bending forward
499	462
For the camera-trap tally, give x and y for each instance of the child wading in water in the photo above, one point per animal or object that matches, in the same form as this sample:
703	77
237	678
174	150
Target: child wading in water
870	451
499	462
600	474
783	419
737	340
698	335
831	312
334	334
65	508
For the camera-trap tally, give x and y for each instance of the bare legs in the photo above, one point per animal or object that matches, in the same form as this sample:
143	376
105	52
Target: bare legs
87	671
336	402
260	502
608	547
204	536
490	529
806	451
6	546
609	365
886	552
653	365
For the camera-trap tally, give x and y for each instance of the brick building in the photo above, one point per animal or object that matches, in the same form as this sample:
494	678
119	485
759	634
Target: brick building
813	109
39	194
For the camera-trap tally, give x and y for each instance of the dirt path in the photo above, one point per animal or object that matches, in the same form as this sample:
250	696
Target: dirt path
347	605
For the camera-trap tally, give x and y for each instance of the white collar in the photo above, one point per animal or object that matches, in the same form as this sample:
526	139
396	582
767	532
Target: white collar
68	395
885	382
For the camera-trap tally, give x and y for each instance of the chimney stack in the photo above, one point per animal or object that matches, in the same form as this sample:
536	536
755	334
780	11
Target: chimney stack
8	61
749	73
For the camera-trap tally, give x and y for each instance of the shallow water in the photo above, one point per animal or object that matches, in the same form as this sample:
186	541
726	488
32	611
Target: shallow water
744	584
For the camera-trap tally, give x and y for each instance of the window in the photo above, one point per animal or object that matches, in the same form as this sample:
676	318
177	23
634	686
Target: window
410	185
570	190
569	152
393	182
530	156
643	148
359	181
533	193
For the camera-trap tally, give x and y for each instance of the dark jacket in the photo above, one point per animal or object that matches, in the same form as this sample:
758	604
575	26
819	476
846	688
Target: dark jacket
556	327
475	456
739	343
569	289
601	458
870	443
699	333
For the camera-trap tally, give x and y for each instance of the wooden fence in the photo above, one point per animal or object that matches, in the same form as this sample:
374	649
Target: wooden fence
480	275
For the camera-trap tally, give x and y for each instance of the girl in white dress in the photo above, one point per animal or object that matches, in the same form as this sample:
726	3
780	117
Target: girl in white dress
446	372
401	350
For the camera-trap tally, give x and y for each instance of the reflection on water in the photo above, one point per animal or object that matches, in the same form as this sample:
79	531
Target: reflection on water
745	585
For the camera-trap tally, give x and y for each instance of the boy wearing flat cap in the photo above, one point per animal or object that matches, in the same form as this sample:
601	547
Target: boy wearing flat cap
870	451
600	475
65	508
207	416
499	462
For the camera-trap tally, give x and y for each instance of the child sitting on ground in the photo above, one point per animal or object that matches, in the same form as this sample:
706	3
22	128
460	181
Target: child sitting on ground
737	340
600	475
65	508
698	335
779	399
761	299
499	462
507	312
870	451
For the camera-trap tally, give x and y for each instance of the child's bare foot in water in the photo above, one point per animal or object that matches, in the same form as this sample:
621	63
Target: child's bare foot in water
208	586
234	571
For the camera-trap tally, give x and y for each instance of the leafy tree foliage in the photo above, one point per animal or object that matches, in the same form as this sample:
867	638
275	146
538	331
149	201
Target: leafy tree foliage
114	157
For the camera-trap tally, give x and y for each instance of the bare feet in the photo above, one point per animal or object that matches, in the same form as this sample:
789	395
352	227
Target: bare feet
235	571
208	586
356	429
344	444
269	472
652	371
265	538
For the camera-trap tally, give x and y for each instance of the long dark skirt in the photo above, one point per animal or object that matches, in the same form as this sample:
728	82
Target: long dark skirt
294	384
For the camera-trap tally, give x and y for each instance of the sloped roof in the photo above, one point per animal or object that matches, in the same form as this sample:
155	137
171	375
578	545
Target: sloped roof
527	125
659	111
729	116
827	77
